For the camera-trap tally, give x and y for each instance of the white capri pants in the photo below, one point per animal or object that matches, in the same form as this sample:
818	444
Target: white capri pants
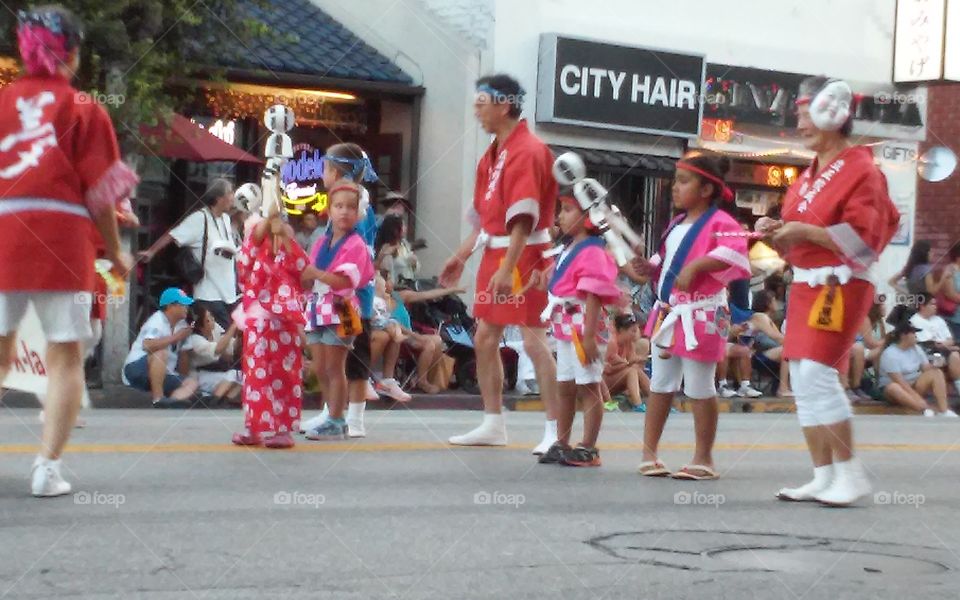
570	369
819	395
697	376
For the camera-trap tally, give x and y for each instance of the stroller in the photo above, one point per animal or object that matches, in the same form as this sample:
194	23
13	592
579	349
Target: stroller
449	318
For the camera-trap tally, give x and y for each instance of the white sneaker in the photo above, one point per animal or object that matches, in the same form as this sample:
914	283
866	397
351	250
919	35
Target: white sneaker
949	413
46	481
355	429
311	424
849	484
726	391
371	394
521	388
822	477
747	391
492	432
928	412
391	388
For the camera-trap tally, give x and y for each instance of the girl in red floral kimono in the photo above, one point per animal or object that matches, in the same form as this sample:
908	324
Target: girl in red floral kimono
270	266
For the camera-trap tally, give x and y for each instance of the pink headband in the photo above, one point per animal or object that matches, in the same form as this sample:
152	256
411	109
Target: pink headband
42	50
725	192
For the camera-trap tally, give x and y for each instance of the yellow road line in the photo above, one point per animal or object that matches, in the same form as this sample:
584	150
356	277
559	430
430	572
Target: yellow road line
362	446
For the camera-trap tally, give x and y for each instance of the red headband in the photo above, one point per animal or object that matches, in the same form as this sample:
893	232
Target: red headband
725	192
342	188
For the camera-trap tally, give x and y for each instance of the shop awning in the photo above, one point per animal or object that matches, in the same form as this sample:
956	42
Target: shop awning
186	140
627	161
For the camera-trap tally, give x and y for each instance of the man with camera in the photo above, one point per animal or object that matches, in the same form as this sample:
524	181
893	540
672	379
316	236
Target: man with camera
208	251
151	364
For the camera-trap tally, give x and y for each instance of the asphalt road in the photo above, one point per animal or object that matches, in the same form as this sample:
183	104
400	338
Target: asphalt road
166	508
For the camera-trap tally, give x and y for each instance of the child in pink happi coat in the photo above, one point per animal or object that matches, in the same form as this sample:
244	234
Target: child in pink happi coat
583	281
691	321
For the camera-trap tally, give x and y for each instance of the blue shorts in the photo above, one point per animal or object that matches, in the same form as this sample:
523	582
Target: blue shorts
327	336
138	374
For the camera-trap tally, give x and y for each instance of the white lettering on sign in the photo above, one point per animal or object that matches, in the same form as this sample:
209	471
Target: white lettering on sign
599	83
226	131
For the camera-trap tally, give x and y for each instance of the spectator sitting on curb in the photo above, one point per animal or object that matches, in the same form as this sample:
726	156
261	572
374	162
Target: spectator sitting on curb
906	376
935	337
207	356
623	368
151	365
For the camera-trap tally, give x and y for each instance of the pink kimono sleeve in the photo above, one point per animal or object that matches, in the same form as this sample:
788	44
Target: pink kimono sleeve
353	261
597	275
729	250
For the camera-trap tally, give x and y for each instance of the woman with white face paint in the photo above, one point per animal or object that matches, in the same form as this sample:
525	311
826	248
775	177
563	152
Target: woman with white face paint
837	219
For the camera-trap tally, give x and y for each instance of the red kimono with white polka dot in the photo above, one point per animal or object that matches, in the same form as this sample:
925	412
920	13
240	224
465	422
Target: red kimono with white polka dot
271	316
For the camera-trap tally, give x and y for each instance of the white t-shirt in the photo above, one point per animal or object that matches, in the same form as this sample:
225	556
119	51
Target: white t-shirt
219	283
156	327
908	363
673	244
934	329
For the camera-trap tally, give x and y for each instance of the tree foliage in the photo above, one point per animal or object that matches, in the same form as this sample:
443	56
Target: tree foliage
145	56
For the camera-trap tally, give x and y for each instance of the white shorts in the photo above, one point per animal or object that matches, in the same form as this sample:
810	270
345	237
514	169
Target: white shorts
570	369
697	376
64	316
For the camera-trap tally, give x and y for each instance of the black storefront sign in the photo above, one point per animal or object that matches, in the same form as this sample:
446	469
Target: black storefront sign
761	97
626	88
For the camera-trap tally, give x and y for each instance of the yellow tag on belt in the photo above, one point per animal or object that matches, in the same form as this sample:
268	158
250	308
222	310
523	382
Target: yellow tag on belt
578	346
517	280
350	324
827	311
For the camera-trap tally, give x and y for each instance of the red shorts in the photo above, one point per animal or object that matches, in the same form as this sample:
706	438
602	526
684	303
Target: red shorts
831	348
522	309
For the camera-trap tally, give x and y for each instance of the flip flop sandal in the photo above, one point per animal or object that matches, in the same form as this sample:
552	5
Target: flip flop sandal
687	472
653	468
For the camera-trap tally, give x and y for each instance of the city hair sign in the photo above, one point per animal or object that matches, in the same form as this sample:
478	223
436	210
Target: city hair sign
612	86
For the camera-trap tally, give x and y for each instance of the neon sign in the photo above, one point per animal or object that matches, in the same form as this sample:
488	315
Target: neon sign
300	177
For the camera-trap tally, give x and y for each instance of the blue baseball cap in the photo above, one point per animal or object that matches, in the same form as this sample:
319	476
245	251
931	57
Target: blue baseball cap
174	296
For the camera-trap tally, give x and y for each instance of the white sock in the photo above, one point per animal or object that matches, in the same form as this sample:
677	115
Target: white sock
822	475
744	384
493	420
550	429
43	462
355	411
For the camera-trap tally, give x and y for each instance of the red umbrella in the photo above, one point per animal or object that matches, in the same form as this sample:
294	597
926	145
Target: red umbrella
188	141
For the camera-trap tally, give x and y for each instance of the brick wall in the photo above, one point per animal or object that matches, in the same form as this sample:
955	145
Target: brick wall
938	204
